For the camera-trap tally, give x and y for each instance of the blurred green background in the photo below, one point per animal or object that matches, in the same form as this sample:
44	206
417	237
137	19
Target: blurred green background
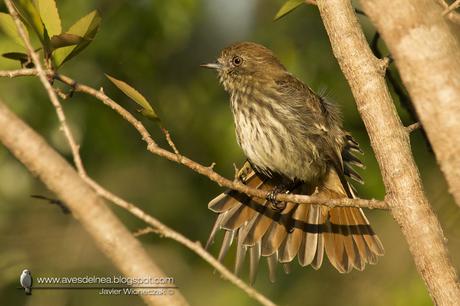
157	46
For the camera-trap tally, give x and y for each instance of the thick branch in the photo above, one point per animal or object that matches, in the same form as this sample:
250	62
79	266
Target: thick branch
427	54
390	142
109	234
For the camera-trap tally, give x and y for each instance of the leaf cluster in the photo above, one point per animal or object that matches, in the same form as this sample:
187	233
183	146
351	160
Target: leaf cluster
41	18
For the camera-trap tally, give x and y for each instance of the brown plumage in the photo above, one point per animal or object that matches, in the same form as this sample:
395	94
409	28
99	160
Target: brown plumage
294	143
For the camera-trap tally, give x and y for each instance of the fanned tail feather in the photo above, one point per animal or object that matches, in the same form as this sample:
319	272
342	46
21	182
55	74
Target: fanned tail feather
307	231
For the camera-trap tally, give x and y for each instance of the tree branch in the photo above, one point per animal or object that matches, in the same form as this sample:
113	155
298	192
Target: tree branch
109	234
20	73
390	142
181	159
413	127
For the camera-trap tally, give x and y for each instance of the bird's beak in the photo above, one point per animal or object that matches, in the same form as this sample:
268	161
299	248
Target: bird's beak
211	66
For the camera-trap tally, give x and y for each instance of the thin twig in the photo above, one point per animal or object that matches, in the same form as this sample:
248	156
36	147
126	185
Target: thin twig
42	74
169	139
145	231
18	73
412	127
201	169
61	94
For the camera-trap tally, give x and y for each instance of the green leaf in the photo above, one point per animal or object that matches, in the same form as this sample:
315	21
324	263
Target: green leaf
137	97
50	16
65	40
17	56
31	16
9	28
288	7
21	57
85	27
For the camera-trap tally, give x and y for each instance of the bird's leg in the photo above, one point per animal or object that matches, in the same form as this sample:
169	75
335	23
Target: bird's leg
281	188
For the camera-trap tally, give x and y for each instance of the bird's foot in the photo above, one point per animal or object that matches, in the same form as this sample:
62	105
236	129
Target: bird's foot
271	197
281	188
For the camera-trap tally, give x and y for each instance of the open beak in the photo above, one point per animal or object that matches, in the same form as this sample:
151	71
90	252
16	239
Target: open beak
211	66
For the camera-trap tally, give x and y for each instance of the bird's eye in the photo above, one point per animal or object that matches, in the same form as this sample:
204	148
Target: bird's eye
236	60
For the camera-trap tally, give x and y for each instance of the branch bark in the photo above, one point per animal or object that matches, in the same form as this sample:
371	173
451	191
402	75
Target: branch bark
427	53
109	234
390	142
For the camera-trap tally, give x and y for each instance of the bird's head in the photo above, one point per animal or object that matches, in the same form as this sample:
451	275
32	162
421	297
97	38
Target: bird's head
25	271
245	63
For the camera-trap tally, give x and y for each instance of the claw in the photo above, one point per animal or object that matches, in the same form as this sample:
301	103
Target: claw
271	197
285	188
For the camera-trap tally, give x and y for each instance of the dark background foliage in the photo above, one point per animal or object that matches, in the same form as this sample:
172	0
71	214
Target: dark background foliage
157	47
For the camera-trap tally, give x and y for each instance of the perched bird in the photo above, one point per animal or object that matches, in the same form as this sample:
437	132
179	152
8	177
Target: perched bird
26	281
294	143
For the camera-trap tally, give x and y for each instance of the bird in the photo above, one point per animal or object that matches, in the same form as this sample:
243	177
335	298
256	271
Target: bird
294	143
26	281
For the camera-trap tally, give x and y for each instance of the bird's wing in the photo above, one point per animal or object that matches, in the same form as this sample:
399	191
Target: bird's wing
26	280
293	91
